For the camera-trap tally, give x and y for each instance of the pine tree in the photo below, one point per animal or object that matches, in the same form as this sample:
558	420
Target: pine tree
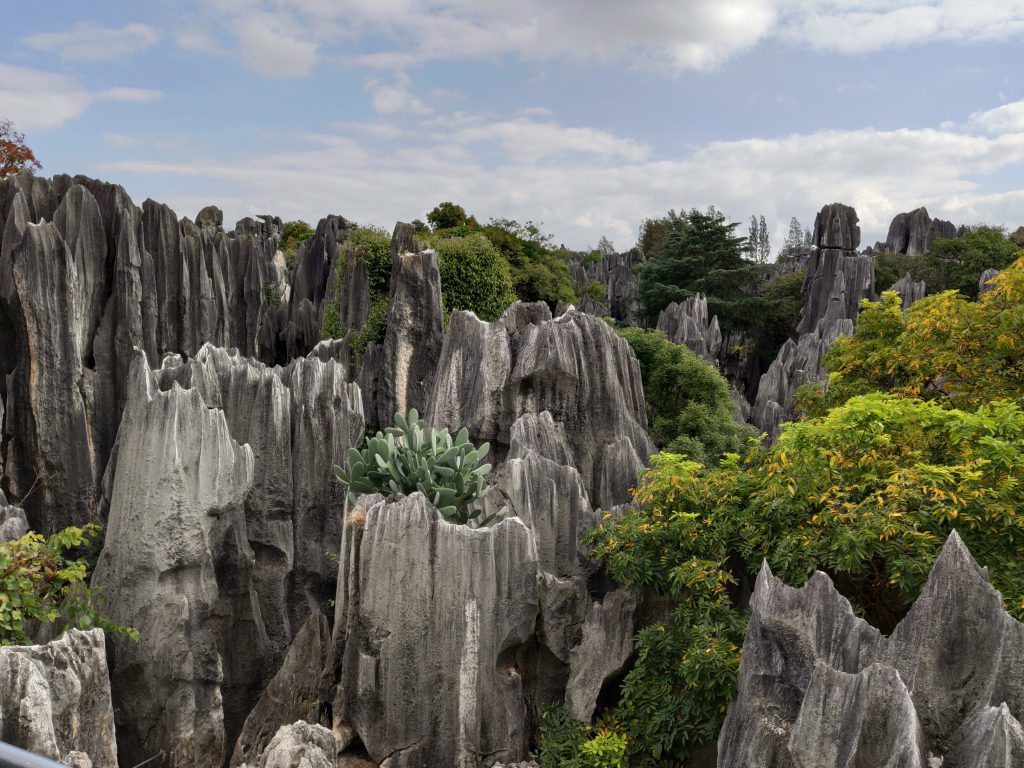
754	238
807	237
705	257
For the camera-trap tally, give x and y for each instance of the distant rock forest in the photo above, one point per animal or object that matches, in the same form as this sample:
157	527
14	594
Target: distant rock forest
336	497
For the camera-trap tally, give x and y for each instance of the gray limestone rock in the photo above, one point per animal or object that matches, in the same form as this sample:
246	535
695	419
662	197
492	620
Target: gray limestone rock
415	334
687	323
13	523
299	745
913	233
176	509
55	698
293	693
606	647
819	687
615	273
835	226
573	366
433	612
984	282
210	216
909	290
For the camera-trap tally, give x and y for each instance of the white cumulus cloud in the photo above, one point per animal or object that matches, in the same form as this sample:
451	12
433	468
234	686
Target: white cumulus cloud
89	41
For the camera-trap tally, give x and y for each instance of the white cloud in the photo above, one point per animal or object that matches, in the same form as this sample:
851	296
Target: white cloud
667	35
584	182
89	41
197	39
37	101
118	140
1008	118
271	50
393	98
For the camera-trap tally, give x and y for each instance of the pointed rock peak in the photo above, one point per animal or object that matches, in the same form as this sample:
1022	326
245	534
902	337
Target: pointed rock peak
520	314
403	240
956	555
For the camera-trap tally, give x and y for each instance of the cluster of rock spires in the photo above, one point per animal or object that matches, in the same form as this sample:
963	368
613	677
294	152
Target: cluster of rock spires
913	233
169	378
227	537
820	687
616	274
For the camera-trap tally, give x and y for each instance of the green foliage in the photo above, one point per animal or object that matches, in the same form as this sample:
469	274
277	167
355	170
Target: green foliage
374	245
705	256
293	233
784	301
654	232
474	276
690	407
960	353
868	493
594	290
564	742
375	327
890	267
410	457
330	325
41	586
447	215
968	256
271	295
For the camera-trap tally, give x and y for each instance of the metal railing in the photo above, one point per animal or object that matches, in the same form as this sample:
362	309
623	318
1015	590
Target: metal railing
15	757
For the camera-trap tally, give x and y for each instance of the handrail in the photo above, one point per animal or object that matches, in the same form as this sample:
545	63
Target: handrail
15	757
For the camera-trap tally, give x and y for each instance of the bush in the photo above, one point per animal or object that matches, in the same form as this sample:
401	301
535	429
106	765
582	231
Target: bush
968	256
945	348
41	587
293	233
411	457
690	407
564	742
375	245
474	276
375	328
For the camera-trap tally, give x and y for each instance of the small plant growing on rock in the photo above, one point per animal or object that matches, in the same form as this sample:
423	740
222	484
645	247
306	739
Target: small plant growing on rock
410	457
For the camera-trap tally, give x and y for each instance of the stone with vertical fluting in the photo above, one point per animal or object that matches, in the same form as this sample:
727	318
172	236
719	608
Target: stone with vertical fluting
55	698
818	686
415	334
430	611
176	513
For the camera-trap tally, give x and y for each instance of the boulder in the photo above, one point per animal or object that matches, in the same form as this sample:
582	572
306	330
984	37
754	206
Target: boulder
13	523
818	686
55	699
299	745
210	216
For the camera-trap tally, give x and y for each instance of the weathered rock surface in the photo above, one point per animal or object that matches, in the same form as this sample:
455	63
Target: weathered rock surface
606	647
176	517
433	612
299	745
13	523
415	334
984	282
293	693
688	323
913	233
55	698
910	290
573	366
819	687
837	278
615	273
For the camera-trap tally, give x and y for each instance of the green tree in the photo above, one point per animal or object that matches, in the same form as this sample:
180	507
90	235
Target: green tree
705	257
946	348
868	493
293	233
968	256
474	276
689	404
447	215
41	586
654	232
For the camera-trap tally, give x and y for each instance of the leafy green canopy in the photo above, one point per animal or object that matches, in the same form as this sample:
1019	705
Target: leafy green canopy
703	255
954	264
474	276
293	233
868	493
690	407
946	348
40	586
410	457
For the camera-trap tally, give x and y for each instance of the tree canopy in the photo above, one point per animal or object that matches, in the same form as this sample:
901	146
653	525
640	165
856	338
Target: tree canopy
704	255
15	154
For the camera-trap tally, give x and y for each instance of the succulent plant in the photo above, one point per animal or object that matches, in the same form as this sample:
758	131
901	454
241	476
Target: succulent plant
410	457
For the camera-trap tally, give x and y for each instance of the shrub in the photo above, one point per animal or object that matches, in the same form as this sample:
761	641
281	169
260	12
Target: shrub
968	256
40	586
375	246
565	742
375	327
293	233
690	407
411	457
474	276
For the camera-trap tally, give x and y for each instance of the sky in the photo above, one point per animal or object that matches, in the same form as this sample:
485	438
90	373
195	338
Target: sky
584	115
